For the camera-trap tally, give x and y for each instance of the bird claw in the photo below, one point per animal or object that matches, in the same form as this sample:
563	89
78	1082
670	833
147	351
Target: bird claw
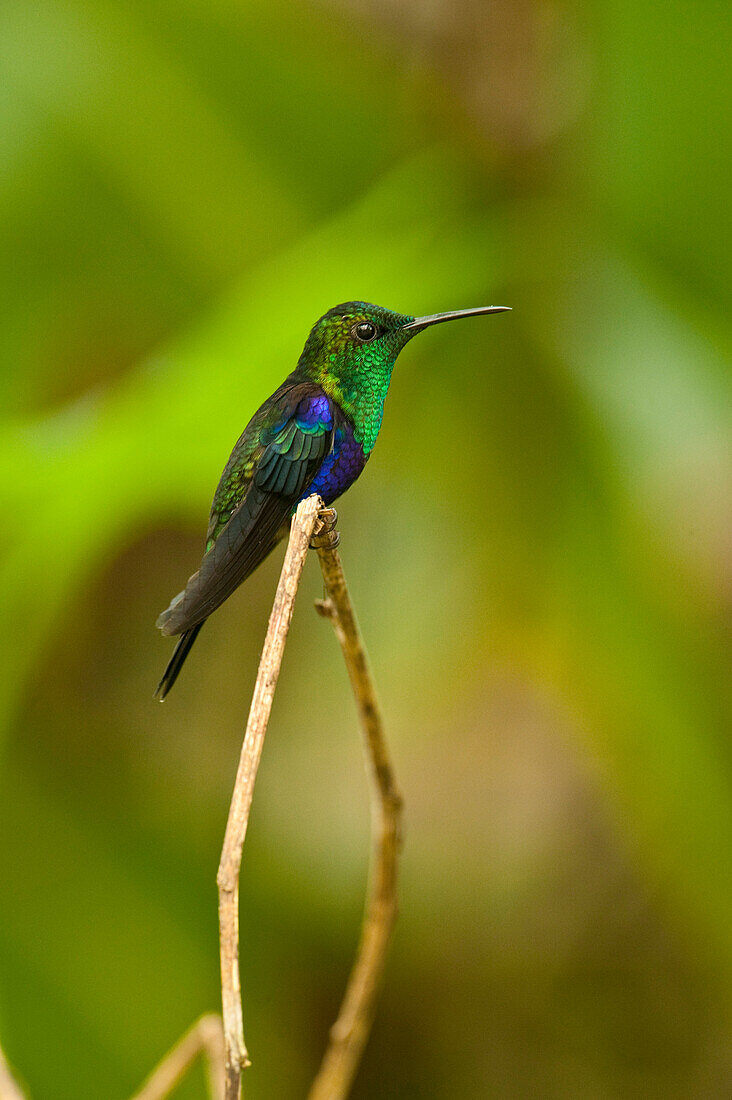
325	536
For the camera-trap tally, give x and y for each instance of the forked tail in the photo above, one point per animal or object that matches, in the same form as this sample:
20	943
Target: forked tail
175	664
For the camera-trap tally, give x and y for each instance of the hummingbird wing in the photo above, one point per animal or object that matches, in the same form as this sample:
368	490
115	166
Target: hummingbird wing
275	460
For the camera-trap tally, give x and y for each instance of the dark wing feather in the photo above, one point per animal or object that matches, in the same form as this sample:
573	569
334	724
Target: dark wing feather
293	452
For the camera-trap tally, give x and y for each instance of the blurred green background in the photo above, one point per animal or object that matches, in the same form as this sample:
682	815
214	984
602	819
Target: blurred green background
538	551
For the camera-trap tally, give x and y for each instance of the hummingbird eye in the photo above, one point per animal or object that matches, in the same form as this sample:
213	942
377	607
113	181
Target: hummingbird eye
364	332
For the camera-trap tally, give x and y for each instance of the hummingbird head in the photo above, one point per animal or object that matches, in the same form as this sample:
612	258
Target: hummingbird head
351	353
354	334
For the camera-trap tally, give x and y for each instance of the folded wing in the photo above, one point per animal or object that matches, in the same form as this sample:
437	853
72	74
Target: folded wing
292	447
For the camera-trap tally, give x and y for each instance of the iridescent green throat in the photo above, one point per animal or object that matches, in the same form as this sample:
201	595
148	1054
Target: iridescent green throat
356	376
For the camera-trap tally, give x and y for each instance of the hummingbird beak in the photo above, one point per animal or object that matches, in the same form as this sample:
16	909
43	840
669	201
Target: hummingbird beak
437	318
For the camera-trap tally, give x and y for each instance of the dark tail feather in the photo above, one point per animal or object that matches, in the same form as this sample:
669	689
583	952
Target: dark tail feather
175	664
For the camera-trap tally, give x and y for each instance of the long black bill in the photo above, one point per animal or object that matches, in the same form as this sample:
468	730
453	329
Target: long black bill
437	318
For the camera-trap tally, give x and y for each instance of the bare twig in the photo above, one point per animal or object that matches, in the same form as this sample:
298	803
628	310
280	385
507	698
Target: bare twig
9	1087
350	1032
205	1037
301	531
225	1048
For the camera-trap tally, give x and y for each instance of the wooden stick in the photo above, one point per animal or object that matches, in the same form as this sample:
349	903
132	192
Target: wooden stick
205	1037
236	1056
349	1034
227	1053
9	1087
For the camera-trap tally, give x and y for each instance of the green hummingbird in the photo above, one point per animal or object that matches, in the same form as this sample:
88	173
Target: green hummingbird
313	435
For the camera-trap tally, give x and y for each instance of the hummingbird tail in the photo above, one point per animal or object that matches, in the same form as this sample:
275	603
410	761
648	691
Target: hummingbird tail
175	664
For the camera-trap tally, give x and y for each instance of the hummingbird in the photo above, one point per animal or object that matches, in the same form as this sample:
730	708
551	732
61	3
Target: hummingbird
313	435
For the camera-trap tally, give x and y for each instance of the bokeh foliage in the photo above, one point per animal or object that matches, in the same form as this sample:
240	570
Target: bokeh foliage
538	549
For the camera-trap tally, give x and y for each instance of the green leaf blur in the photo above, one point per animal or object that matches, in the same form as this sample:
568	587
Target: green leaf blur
538	550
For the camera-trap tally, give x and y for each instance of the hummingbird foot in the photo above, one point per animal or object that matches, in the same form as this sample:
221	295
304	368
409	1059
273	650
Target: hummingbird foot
326	537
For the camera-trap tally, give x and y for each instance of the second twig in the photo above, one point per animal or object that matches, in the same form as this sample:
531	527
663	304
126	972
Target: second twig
350	1032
